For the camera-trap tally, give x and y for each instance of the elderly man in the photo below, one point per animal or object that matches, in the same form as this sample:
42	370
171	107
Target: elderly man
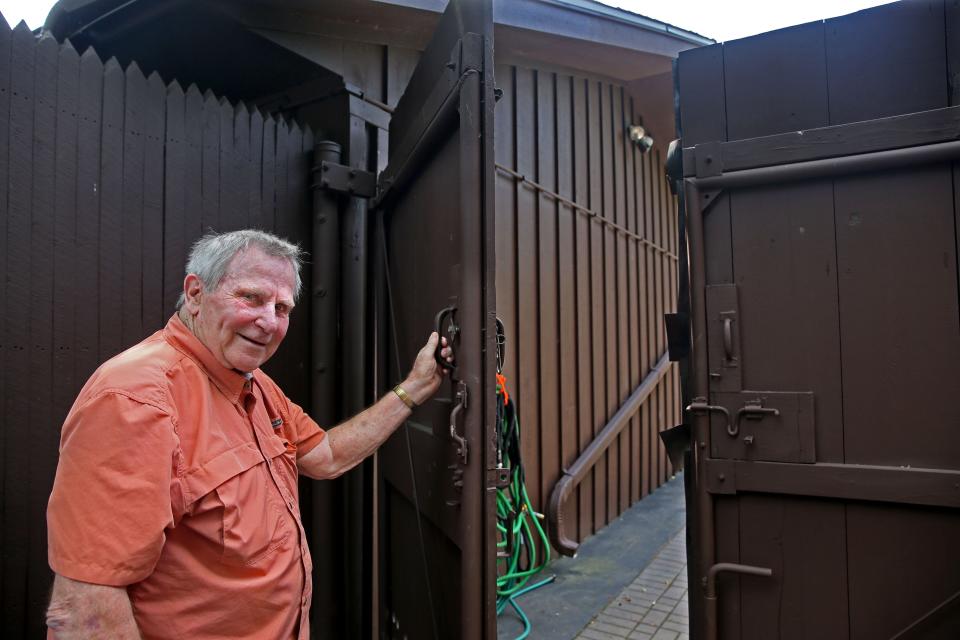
174	511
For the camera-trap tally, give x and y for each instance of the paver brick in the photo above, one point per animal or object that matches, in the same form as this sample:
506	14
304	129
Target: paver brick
665	634
625	614
646	628
613	630
655	617
674	592
609	619
674	626
593	634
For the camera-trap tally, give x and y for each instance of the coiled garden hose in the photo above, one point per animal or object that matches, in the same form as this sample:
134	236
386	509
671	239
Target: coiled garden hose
518	525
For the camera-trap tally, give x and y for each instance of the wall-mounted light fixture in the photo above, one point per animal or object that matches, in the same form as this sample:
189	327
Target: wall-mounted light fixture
640	137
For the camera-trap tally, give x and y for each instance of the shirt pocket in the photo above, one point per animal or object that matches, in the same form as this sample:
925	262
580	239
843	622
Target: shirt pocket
235	493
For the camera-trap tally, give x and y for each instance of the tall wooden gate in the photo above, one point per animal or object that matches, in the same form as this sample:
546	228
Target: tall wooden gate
821	177
106	178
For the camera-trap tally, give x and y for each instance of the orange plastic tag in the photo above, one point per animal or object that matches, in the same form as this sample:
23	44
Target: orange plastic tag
502	383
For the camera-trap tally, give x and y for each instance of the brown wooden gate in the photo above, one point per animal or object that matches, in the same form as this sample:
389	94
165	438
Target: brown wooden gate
106	178
438	472
820	170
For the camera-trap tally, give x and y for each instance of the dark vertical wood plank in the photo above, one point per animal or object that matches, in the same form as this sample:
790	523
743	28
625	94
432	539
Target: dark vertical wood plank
268	174
175	197
254	170
64	254
65	258
904	44
506	219
597	323
643	260
228	184
131	212
547	295
567	274
6	350
786	265
88	214
633	300
43	432
805	543
154	311
727	518
210	187
651	333
581	258
111	275
240	160
660	219
609	294
622	349
16	501
776	82
902	563
297	228
527	258
193	203
703	115
906	312
952	29
280	177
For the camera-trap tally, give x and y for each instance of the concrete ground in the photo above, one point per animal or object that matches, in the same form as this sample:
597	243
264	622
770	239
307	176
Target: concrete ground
621	581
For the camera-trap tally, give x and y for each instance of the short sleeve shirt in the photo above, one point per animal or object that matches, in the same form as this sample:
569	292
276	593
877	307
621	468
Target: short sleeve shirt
177	478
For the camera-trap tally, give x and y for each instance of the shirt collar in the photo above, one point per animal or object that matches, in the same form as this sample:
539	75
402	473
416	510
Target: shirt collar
230	381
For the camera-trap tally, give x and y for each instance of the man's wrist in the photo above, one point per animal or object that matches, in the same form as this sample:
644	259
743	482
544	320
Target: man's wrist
404	396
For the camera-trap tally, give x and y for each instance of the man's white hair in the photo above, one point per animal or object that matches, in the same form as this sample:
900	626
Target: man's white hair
212	253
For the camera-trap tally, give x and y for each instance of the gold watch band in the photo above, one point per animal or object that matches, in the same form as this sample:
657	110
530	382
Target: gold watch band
403	395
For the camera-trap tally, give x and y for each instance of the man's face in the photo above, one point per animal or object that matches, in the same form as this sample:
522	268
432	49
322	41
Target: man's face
244	320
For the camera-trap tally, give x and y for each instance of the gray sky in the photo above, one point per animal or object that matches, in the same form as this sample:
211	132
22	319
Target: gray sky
718	19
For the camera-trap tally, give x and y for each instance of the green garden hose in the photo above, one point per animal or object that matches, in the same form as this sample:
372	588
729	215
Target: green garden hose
518	525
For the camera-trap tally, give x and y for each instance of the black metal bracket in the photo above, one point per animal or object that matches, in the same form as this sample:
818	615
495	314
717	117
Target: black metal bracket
708	159
344	179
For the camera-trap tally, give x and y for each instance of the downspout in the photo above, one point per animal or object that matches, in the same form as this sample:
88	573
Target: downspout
324	405
355	369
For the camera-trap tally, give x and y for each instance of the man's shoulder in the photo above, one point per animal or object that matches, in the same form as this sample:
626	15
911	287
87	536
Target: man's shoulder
142	371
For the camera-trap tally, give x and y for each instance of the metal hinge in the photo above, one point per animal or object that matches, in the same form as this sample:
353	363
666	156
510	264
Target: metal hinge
344	179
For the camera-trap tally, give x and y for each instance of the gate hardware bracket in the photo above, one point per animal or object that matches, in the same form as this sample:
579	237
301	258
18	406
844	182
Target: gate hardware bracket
344	179
710	580
699	405
708	197
752	411
459	407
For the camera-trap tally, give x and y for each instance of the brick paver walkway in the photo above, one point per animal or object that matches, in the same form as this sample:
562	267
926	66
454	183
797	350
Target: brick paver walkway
654	606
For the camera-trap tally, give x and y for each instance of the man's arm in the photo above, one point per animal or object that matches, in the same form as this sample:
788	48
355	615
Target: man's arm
348	444
80	610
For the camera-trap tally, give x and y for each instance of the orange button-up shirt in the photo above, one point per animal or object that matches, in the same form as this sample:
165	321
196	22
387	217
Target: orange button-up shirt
178	479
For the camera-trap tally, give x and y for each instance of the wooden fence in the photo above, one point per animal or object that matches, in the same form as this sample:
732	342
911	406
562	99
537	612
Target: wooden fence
106	178
586	267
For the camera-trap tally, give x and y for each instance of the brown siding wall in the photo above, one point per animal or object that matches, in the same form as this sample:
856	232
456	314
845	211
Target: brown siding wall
586	266
106	178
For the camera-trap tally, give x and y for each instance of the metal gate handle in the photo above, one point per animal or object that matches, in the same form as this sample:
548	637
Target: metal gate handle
752	411
457	409
454	330
728	339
